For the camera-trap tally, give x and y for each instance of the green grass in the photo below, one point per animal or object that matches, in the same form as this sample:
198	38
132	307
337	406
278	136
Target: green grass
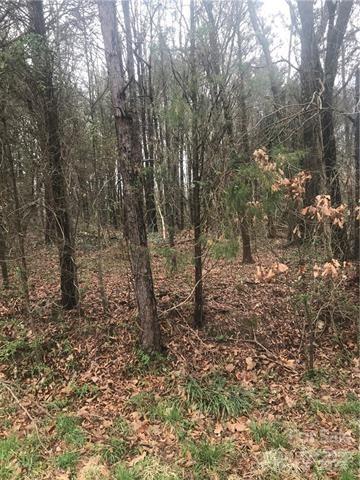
212	395
67	461
350	467
351	406
85	390
226	249
124	473
272	433
10	349
316	376
68	428
142	402
115	450
210	458
16	455
58	404
168	411
120	427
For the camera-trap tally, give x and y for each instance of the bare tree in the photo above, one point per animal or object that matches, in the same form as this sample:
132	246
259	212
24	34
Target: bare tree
68	272
123	95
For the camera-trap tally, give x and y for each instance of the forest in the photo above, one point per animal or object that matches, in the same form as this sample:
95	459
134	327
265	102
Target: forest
179	239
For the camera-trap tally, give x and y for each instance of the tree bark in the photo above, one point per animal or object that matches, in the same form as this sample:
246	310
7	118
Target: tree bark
356	252
130	162
195	164
3	254
310	77
335	36
8	160
68	271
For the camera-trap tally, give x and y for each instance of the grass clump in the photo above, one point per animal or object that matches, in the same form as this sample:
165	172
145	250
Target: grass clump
148	469
276	466
11	348
68	428
115	450
8	448
143	402
68	461
350	407
271	433
350	467
19	455
212	395
85	390
209	458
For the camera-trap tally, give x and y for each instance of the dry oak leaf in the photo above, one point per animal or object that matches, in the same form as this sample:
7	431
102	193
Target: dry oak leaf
137	459
93	469
230	367
250	364
218	429
238	426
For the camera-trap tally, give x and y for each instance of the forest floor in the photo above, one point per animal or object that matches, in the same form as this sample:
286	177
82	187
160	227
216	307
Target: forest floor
80	400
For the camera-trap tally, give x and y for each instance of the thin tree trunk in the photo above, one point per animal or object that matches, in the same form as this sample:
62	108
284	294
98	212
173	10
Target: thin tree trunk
195	163
111	184
169	183
130	162
3	254
150	202
20	230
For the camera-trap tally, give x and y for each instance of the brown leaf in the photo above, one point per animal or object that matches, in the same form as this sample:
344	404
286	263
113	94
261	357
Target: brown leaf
250	364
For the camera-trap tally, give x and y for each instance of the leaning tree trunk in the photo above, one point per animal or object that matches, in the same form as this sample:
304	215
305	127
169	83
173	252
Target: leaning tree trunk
130	162
68	272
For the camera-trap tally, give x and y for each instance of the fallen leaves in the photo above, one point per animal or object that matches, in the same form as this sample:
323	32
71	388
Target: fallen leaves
267	274
250	364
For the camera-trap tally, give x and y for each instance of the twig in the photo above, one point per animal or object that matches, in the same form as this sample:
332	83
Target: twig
272	355
26	411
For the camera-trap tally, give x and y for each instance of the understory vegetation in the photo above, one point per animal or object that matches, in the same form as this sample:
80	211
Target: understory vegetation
179	239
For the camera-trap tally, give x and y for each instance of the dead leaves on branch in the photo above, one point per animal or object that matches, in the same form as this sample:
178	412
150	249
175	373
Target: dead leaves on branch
329	270
294	187
263	161
322	211
266	275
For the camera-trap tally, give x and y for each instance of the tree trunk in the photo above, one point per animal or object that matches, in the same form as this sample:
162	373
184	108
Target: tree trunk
8	160
310	76
3	253
195	164
130	162
169	177
68	272
150	202
356	252
335	36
